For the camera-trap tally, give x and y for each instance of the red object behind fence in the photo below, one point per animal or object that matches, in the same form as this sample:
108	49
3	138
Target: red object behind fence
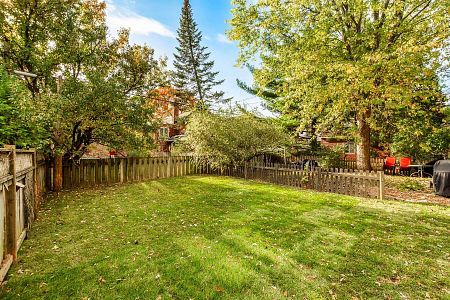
405	162
389	165
390	162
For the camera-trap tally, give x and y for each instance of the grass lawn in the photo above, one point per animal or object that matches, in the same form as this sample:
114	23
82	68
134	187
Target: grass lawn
223	238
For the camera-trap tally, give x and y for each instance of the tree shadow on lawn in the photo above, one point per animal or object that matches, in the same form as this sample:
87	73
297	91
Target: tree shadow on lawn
212	237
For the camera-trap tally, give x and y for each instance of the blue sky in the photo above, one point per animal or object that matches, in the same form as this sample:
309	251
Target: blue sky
155	22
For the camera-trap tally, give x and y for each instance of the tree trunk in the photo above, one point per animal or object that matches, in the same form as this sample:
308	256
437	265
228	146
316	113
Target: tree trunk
363	146
57	173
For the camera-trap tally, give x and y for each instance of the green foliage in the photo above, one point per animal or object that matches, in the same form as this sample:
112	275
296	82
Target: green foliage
424	134
91	88
344	62
18	125
409	184
232	138
111	106
331	157
193	70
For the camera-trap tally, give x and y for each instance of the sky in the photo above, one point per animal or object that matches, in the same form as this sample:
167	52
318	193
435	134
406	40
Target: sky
155	22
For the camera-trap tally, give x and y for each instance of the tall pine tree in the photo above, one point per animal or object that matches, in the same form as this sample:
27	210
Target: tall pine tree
193	69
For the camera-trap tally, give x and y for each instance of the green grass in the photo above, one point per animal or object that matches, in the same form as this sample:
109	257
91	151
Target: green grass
223	238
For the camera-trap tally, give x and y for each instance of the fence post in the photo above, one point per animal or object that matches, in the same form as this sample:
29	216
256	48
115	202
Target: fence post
381	176
169	165
245	169
121	169
276	173
11	206
317	181
35	185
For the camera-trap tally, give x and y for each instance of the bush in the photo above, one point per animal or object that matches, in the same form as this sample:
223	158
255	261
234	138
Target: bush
18	122
331	157
231	139
409	184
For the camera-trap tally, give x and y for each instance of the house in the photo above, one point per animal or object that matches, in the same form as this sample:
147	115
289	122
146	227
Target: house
96	150
172	111
329	140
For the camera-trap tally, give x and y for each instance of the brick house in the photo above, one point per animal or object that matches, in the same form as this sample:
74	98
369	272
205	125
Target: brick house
329	140
172	114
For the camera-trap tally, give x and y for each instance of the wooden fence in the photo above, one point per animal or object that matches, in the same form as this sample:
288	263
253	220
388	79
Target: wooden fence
20	194
376	163
93	172
345	163
339	181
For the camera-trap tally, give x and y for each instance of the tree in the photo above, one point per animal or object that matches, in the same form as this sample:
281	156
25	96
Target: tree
18	125
90	88
193	69
423	134
232	139
344	60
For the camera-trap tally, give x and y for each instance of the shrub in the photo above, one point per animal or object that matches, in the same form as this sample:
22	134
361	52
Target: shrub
331	157
409	184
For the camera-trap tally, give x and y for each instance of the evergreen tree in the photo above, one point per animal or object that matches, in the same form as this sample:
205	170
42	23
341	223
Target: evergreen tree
194	71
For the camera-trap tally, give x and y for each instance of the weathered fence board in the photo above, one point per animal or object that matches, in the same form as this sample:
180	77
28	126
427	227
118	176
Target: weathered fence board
21	185
94	172
340	181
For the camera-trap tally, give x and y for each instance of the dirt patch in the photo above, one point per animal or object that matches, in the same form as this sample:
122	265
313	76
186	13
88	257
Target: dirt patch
412	189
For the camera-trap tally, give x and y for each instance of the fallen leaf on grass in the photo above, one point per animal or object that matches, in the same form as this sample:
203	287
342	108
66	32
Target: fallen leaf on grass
218	289
101	280
43	286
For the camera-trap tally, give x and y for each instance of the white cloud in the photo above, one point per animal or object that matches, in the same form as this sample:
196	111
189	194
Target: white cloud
120	17
223	39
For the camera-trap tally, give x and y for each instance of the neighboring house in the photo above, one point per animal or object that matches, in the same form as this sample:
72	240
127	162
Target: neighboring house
101	151
347	144
328	140
172	114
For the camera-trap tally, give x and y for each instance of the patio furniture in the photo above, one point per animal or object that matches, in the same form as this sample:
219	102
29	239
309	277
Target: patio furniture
389	165
422	170
405	166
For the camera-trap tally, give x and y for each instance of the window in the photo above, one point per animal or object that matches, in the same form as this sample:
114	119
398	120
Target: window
163	133
350	148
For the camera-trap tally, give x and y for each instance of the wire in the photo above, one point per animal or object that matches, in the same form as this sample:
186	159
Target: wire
243	100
